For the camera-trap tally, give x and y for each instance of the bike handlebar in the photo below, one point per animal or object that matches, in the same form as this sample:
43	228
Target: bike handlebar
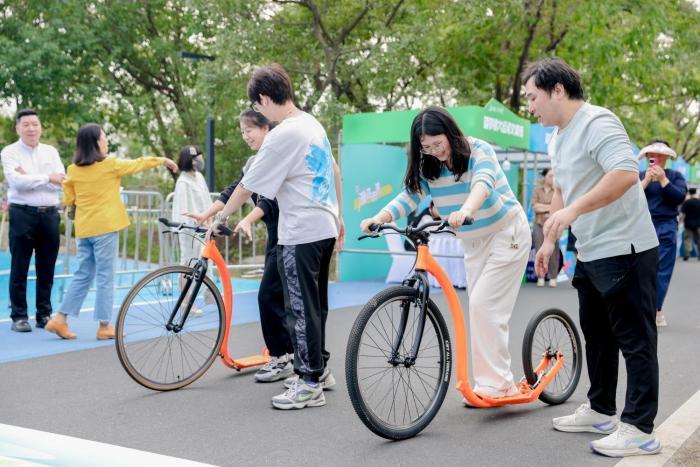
441	224
223	230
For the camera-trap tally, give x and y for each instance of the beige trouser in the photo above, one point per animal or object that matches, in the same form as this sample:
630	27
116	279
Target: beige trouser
495	264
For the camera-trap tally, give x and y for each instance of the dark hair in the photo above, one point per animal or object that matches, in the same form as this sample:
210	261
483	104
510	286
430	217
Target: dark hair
433	121
657	140
545	171
25	113
271	81
187	154
87	151
692	190
254	118
550	71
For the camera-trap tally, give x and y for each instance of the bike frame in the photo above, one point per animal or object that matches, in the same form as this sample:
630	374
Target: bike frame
425	263
211	252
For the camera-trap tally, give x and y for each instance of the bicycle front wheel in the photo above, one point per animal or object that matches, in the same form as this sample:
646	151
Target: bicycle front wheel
548	333
397	400
163	359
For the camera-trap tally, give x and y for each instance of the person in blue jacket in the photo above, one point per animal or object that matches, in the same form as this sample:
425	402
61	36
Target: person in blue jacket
665	190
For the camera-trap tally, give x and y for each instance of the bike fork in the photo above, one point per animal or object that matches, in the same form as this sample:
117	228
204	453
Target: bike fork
420	282
198	273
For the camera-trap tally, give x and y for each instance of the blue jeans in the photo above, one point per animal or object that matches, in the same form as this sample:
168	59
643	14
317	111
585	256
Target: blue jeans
98	257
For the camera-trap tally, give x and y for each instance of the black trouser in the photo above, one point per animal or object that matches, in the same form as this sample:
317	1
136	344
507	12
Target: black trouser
304	270
617	307
273	316
32	230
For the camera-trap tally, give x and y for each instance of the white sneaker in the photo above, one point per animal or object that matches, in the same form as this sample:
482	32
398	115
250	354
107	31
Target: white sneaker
540	282
327	380
299	396
552	282
627	440
276	369
585	419
661	320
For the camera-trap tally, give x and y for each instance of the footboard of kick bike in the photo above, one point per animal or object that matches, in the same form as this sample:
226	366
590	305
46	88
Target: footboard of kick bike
246	362
527	394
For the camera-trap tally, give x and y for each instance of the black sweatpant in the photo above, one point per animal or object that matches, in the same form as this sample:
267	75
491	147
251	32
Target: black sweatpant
617	310
32	231
304	269
273	316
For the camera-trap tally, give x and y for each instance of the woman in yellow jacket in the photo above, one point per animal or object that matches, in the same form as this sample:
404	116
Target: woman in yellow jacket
92	184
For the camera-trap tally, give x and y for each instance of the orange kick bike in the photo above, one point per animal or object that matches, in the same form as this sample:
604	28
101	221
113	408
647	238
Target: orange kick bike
399	359
174	323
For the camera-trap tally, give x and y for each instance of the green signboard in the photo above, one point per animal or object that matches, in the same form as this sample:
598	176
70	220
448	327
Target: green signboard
372	176
494	123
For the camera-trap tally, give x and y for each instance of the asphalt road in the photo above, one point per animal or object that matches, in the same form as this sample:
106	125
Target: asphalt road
225	418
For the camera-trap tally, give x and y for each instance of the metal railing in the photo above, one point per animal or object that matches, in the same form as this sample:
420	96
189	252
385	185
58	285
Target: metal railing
146	245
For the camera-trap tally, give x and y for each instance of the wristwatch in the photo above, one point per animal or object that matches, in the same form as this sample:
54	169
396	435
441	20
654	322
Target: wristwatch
221	219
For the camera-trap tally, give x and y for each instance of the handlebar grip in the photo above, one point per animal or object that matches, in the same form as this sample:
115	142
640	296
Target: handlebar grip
166	222
469	220
225	231
374	227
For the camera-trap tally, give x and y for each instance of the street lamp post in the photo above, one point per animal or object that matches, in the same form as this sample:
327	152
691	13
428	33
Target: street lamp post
209	146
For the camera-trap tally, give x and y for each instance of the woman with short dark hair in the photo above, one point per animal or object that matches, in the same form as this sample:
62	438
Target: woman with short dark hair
92	186
191	195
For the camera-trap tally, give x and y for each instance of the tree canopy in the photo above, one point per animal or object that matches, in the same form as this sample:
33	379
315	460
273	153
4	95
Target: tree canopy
119	62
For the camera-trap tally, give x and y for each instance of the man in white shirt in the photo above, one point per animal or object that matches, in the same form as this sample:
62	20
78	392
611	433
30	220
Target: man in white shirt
34	173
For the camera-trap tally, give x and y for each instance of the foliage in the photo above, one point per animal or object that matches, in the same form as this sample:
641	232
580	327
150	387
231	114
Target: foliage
118	62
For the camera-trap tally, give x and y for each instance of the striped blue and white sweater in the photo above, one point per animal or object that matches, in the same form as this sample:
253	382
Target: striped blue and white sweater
449	195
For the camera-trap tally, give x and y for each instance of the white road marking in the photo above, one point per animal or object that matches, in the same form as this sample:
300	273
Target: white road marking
26	447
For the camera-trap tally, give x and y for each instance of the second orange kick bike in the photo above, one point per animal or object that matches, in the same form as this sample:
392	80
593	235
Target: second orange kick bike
174	322
399	358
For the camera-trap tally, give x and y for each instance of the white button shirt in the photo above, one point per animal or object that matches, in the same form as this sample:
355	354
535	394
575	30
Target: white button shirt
32	188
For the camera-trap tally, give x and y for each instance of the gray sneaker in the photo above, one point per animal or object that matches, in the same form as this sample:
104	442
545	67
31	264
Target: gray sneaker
299	396
327	380
276	369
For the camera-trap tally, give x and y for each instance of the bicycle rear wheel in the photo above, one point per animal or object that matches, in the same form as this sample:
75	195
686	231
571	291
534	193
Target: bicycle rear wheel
547	333
162	359
397	401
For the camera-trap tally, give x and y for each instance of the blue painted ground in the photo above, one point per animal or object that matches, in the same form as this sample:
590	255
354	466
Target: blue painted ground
19	346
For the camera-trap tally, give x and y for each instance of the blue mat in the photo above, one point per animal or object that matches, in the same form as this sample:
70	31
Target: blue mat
20	346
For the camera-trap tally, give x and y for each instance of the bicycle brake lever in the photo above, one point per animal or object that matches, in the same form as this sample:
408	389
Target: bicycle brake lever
362	237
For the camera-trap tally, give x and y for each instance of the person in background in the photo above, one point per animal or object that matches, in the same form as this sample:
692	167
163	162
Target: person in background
541	201
191	195
92	185
691	223
34	173
273	319
665	190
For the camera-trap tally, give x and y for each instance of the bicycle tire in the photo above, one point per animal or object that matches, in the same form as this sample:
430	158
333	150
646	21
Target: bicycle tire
135	315
569	344
373	418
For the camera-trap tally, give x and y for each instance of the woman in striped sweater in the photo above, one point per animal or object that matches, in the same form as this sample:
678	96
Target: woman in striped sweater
463	177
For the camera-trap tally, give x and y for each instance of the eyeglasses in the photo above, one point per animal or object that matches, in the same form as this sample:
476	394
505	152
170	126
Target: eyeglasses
432	149
254	107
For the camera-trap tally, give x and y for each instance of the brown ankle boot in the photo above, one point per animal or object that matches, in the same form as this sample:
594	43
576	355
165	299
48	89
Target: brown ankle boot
60	329
105	332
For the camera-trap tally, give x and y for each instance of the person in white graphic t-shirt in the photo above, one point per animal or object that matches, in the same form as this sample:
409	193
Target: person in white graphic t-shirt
295	165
